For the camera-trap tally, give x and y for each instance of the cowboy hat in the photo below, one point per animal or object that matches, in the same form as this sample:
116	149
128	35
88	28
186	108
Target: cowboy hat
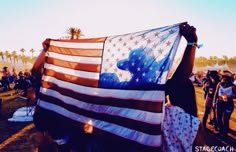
226	73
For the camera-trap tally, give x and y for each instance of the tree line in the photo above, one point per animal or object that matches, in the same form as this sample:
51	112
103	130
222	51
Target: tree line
76	33
213	60
13	57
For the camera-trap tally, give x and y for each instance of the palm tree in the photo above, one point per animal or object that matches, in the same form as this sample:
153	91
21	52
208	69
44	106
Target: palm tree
32	51
9	56
27	59
78	33
213	60
2	55
15	56
225	59
200	61
23	59
22	50
71	31
75	33
6	54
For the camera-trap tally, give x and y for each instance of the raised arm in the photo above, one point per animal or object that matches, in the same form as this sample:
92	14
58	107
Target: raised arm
37	69
185	68
179	88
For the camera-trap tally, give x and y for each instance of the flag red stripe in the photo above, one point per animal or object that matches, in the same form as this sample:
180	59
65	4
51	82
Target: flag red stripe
153	129
71	90
107	135
72	79
76	51
116	102
85	40
74	65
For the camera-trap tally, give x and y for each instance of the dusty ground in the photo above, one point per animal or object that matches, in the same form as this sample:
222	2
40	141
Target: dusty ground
26	143
7	129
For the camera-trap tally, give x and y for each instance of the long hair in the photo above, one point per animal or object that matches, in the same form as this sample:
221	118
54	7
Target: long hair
182	95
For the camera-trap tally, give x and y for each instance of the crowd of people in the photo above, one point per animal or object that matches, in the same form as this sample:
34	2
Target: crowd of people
219	91
18	81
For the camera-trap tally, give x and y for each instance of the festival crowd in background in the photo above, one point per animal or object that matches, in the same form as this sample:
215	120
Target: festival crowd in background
15	81
219	88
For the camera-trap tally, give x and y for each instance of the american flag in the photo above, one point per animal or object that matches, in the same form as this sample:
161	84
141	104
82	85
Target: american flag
116	83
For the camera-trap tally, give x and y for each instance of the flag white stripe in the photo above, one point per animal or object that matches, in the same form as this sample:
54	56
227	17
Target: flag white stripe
155	96
82	74
78	59
140	137
161	42
81	45
139	115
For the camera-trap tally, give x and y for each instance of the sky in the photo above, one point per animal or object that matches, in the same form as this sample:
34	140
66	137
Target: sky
27	23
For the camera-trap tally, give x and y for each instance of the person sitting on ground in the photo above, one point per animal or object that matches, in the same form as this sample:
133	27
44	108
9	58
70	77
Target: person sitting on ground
20	81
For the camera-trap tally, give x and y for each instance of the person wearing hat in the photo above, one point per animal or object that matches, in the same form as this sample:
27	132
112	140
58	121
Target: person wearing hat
210	88
225	92
5	78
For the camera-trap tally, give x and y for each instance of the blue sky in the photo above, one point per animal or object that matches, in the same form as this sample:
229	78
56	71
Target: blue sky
26	23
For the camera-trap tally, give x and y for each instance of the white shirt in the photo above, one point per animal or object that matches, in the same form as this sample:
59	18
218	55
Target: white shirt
179	130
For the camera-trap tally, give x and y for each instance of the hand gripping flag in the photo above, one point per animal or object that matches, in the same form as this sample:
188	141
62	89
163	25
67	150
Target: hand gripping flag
115	83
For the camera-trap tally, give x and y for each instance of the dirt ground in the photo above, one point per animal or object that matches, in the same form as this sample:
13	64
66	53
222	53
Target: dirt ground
24	141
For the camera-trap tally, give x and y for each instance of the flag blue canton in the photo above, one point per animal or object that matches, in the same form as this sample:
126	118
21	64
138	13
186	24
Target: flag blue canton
138	60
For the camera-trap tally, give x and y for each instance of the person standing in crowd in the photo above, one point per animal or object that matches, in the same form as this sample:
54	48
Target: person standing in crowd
224	95
234	79
210	88
6	78
205	82
181	127
1	107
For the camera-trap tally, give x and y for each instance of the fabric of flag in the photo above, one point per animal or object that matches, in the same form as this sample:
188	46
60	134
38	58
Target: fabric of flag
116	82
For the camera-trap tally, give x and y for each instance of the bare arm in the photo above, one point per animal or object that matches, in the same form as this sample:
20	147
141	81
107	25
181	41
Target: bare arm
37	69
216	93
179	87
185	68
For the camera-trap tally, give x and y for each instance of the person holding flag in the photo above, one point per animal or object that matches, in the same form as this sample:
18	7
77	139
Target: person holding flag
180	123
